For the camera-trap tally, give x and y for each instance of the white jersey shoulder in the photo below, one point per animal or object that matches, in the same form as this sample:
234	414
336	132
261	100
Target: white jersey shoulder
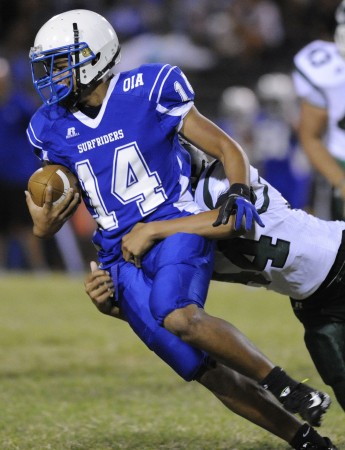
321	64
319	79
291	255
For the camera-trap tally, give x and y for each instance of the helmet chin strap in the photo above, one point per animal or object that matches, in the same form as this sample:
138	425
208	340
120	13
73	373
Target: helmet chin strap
72	99
81	90
77	60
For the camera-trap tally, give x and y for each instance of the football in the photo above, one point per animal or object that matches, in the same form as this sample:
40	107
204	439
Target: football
55	175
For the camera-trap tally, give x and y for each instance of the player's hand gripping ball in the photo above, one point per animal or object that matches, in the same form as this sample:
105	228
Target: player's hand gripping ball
55	175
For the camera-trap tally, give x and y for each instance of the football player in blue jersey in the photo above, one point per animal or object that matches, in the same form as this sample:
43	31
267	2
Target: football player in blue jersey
119	134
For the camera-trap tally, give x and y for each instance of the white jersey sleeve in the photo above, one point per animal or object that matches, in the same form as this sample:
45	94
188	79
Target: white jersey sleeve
308	91
319	78
291	255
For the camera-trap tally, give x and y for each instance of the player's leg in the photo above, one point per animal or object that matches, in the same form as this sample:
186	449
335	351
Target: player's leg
227	344
247	399
220	339
326	343
181	268
16	227
178	293
323	317
132	290
239	394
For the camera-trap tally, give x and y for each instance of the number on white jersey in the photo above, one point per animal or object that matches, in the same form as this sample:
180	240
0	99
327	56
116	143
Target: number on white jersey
252	256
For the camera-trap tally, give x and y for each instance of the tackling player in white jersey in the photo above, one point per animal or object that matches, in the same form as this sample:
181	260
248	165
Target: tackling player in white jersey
296	254
319	79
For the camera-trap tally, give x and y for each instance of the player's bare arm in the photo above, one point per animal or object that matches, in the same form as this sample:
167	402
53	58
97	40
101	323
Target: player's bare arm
312	128
48	219
207	136
144	235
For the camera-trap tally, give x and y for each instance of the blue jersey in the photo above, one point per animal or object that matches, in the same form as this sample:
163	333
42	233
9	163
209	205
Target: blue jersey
17	163
128	159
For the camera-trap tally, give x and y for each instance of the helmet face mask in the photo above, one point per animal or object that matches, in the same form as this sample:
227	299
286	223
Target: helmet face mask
73	53
52	80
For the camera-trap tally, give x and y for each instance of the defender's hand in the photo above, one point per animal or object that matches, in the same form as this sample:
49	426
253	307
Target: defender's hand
100	288
136	243
237	202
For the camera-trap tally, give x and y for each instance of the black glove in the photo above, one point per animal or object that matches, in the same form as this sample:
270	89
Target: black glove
237	201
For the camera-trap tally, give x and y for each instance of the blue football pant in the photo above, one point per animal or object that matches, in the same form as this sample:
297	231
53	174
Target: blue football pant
174	274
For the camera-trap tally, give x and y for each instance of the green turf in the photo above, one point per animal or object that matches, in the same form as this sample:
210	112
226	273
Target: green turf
74	379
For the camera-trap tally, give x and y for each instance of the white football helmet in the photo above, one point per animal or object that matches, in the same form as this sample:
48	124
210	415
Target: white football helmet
277	94
238	102
87	45
275	86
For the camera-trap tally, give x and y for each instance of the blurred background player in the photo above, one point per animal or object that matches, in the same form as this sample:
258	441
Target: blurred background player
276	148
237	113
19	249
263	120
319	79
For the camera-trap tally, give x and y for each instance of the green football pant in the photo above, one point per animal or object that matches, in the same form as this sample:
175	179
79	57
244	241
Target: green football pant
326	345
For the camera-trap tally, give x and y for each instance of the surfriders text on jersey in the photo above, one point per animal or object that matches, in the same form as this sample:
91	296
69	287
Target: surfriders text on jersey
101	140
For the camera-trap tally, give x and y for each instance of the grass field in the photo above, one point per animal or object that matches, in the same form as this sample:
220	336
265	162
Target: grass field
74	379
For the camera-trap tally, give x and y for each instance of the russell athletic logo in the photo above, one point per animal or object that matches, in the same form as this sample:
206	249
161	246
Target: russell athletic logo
71	133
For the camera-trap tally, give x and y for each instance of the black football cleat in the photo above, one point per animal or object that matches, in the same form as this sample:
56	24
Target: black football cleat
307	402
328	446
